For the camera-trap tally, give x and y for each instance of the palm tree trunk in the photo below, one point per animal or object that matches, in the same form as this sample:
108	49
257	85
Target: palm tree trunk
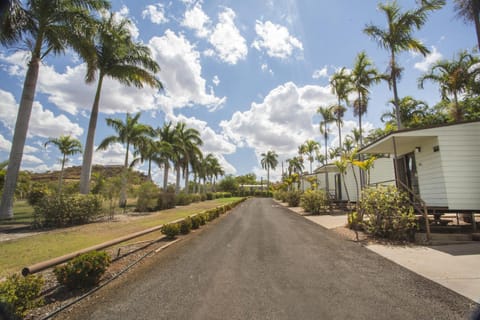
165	176
60	179
177	182
186	179
149	175
395	91
19	137
268	178
89	145
476	13
362	176
327	189
123	192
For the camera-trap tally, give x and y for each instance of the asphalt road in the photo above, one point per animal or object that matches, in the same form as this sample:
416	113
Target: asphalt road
263	262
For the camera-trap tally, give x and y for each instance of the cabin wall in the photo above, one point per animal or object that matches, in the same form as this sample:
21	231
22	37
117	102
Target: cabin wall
460	153
383	172
430	174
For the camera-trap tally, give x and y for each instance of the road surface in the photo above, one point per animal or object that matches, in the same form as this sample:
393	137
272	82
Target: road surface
262	261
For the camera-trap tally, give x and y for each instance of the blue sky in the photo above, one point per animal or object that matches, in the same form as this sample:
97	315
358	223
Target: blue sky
249	75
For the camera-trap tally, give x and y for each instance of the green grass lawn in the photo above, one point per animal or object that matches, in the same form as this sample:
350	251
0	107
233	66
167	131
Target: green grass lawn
22	214
22	252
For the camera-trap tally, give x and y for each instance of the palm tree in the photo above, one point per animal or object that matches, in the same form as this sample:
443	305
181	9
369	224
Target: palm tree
453	78
130	133
327	118
469	11
340	86
118	57
397	37
167	136
310	148
68	146
150	150
412	113
185	147
269	161
45	26
363	76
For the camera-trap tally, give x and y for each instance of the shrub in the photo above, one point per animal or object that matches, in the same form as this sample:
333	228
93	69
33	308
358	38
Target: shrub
84	271
203	197
386	213
293	198
196	221
227	194
20	294
211	196
67	210
37	193
202	218
196	197
147	197
170	230
183	199
166	200
314	201
185	225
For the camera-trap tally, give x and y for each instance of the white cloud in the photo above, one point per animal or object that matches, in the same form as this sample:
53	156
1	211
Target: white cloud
321	73
276	40
113	155
281	122
123	13
265	68
216	80
181	73
156	13
196	19
226	39
5	145
43	122
28	158
429	60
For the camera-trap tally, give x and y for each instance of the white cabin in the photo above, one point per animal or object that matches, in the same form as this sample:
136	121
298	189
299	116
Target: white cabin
440	164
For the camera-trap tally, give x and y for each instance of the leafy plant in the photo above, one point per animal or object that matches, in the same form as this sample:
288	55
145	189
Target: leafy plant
293	198
37	193
170	230
185	225
147	197
67	210
387	213
20	294
166	200
183	199
84	271
196	221
314	202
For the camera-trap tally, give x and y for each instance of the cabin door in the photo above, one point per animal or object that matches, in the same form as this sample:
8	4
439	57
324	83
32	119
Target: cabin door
407	173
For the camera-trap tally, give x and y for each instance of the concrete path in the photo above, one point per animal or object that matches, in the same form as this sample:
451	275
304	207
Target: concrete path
455	266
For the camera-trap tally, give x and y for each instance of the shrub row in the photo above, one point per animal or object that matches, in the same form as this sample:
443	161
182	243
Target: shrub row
291	197
254	193
66	210
314	201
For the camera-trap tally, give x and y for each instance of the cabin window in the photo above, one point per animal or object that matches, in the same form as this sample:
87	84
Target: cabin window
436	148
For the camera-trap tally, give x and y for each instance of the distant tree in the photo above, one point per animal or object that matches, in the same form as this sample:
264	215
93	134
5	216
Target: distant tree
413	113
269	161
249	178
340	86
68	146
228	184
327	118
398	37
310	148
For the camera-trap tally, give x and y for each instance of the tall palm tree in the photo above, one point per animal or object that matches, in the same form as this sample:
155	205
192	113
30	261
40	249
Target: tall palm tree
150	150
45	27
454	78
340	86
167	135
327	118
469	11
68	146
363	76
186	146
269	161
117	56
310	148
398	37
131	133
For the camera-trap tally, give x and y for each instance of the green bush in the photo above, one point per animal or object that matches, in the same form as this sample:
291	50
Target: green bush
20	294
67	210
147	197
170	230
211	196
314	202
37	193
386	213
166	200
196	197
203	197
202	218
84	271
185	225
293	198
183	199
196	221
